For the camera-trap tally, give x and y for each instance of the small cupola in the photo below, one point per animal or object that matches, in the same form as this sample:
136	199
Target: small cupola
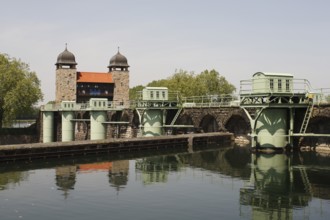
66	59
118	62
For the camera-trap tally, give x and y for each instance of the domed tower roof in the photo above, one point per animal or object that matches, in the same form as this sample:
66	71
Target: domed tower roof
66	58
118	61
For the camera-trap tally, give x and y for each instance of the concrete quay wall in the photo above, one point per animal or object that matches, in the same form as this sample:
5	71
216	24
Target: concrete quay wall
106	146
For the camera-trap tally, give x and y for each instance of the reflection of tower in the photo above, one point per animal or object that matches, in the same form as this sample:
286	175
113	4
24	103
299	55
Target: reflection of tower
66	75
66	178
118	174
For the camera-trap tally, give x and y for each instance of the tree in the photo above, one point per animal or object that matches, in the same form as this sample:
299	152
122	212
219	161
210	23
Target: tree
190	84
19	89
134	92
211	83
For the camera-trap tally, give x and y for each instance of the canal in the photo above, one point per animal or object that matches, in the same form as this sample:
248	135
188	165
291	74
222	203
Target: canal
214	183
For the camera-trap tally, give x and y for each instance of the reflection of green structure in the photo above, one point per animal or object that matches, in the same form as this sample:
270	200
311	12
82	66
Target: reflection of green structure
270	101
274	193
224	161
156	169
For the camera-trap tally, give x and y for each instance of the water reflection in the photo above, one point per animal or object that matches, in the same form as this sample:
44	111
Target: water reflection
11	178
270	186
156	169
65	178
275	187
224	161
118	174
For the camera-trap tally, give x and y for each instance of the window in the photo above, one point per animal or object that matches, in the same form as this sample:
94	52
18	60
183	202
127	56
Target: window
271	84
151	94
287	85
279	84
163	94
157	94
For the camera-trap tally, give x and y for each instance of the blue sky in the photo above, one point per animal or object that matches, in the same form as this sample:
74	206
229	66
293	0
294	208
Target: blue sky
235	37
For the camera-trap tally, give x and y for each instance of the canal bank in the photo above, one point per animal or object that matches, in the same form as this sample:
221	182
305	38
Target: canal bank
71	148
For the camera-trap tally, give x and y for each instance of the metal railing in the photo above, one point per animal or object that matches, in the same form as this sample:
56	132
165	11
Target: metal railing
84	106
323	96
248	87
295	86
210	101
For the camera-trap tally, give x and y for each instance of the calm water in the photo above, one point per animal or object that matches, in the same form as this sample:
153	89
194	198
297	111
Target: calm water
226	183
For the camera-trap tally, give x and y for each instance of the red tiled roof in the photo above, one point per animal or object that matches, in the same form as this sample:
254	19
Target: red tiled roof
93	77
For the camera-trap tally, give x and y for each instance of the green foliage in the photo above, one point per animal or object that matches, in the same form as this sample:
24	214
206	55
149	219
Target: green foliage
133	92
211	83
19	89
189	84
327	98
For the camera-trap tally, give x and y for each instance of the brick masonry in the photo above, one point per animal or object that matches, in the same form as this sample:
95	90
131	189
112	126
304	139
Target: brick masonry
121	90
66	85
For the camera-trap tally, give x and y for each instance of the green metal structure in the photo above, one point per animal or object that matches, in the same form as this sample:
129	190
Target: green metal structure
67	108
98	118
270	101
153	122
48	126
152	107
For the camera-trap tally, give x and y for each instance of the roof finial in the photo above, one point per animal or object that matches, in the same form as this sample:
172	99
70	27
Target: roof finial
118	49
66	46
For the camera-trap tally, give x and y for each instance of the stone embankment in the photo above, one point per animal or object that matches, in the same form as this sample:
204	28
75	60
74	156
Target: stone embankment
119	145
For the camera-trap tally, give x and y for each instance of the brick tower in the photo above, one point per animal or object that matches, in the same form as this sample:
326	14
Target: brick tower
66	76
118	67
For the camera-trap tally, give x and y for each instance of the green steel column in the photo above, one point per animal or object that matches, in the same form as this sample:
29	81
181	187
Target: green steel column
291	127
152	122
98	129
164	120
271	128
48	126
67	126
98	112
